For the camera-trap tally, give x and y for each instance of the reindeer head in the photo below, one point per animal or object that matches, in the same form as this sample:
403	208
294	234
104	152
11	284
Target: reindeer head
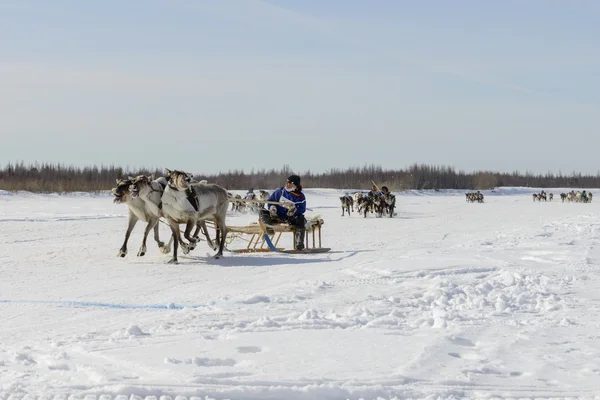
140	182
122	190
178	180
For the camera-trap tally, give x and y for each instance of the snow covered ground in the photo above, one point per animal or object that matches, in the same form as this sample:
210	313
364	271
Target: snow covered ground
447	300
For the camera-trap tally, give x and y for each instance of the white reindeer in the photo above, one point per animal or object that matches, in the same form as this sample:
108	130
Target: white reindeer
137	211
187	203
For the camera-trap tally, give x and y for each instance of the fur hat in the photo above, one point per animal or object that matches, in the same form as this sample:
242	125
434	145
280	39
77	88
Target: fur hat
295	179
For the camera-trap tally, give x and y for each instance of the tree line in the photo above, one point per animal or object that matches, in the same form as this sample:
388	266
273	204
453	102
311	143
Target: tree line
48	177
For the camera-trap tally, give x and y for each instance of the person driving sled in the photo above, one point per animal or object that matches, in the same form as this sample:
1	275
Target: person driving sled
374	192
293	214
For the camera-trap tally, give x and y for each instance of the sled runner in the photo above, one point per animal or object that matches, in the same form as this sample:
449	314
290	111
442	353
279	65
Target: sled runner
260	241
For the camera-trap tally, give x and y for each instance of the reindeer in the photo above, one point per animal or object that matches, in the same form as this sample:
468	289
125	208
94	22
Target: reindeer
187	203
347	203
389	200
263	196
563	197
251	202
236	202
365	204
586	197
377	203
137	211
357	196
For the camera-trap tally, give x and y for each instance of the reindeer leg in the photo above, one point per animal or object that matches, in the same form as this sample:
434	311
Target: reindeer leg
156	236
204	229
176	237
221	235
132	221
192	241
167	247
217	234
143	249
196	231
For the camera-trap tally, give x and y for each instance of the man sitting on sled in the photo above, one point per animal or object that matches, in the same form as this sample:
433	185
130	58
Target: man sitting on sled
292	212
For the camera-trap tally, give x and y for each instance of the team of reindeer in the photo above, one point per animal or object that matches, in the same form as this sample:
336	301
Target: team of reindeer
179	199
380	204
473	197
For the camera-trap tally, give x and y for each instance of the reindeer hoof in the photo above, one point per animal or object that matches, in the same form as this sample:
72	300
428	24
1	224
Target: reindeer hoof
173	261
165	249
141	253
122	253
161	245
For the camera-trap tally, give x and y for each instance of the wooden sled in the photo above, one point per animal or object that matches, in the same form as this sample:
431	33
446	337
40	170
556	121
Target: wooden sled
261	242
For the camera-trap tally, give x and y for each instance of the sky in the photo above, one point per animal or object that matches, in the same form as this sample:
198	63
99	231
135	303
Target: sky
213	86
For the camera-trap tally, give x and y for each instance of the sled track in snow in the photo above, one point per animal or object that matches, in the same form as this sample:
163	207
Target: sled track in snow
64	219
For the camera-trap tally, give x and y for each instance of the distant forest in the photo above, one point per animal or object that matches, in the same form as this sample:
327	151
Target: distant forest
46	177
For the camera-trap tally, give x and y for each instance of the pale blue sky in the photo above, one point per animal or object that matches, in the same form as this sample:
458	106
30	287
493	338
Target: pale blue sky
218	85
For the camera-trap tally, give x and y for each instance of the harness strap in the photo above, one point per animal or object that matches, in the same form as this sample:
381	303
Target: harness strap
191	196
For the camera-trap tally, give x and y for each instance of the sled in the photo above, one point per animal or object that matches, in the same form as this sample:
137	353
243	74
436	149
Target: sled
262	242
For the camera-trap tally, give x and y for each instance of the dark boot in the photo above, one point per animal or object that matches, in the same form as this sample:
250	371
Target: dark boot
299	238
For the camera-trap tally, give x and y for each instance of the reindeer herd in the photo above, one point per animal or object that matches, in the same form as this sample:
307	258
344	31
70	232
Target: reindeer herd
249	202
384	203
576	197
570	197
381	204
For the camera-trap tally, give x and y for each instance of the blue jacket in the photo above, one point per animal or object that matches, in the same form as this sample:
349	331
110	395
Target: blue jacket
282	195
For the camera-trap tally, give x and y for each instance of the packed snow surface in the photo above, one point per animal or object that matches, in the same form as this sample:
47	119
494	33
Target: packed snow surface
447	300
